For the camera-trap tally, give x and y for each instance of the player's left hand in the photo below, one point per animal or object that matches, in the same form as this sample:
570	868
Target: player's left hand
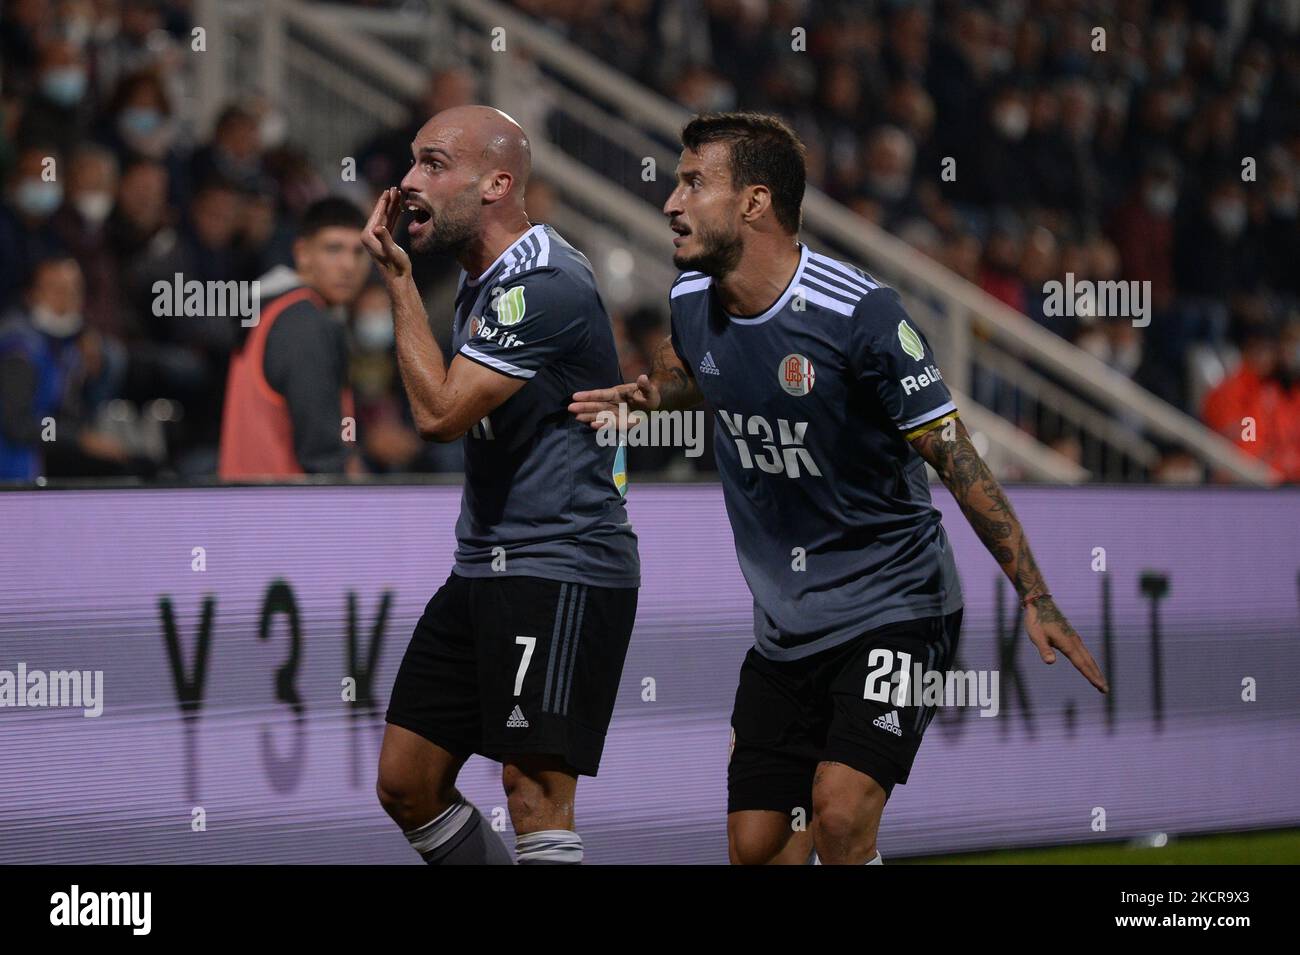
1049	631
377	237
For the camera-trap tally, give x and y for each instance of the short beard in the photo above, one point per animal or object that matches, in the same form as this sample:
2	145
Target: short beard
453	229
720	257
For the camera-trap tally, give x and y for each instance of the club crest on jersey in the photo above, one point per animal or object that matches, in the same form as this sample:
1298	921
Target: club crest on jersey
510	305
796	375
910	341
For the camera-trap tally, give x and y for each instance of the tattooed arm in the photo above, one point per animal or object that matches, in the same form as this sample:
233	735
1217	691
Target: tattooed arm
948	449
668	387
672	379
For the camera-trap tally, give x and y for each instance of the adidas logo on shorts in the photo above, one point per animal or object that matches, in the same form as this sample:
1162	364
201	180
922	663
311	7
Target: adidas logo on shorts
887	722
516	719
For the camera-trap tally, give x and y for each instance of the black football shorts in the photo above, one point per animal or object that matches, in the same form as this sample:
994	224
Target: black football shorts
515	665
791	715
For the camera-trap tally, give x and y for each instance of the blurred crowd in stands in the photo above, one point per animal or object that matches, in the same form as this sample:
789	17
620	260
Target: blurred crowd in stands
1124	164
108	187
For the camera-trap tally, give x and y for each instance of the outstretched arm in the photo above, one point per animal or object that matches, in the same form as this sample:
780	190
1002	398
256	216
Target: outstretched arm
948	449
673	380
668	387
445	402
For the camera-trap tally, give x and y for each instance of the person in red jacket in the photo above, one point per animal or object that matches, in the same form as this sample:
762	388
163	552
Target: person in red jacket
1257	407
1288	377
286	393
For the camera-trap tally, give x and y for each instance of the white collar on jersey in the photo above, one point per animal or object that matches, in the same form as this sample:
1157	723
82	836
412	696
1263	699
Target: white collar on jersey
535	230
780	303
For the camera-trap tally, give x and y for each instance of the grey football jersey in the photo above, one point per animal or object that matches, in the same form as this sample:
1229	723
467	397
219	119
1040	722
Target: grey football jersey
542	497
829	503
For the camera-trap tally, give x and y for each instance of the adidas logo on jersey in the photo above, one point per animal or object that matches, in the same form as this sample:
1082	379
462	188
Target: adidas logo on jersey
516	720
888	722
708	366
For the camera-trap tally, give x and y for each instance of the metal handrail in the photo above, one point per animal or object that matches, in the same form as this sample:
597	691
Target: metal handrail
1047	394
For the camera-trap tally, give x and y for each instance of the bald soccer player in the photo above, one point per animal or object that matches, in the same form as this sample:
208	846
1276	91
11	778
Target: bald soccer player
518	656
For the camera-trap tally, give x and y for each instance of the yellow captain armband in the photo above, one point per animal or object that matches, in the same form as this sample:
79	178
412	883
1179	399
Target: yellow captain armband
930	426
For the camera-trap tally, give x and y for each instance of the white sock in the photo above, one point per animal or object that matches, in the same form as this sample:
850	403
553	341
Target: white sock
549	847
875	860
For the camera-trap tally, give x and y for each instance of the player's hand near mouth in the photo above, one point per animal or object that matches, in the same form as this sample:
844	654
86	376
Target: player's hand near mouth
391	258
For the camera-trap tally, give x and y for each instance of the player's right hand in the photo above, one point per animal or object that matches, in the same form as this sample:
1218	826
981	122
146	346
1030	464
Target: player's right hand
639	395
377	236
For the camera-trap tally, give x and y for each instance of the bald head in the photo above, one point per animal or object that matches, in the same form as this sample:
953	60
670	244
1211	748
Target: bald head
487	135
471	167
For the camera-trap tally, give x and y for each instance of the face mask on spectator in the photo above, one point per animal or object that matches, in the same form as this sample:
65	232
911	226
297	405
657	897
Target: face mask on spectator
1161	198
94	206
273	129
1229	217
64	85
1012	121
55	324
78	30
719	99
374	330
890	187
1095	344
1127	357
37	199
139	121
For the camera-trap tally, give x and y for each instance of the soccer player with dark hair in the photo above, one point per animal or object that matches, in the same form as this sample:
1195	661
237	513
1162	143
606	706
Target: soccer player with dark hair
830	404
286	391
518	656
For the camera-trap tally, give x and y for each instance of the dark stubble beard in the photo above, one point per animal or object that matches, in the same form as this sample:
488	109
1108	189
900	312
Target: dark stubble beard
720	255
452	228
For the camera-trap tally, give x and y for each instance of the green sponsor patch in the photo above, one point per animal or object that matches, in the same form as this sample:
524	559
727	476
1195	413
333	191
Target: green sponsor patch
910	341
510	306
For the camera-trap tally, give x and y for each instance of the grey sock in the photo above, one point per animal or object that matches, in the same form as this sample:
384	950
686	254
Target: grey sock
459	836
549	847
